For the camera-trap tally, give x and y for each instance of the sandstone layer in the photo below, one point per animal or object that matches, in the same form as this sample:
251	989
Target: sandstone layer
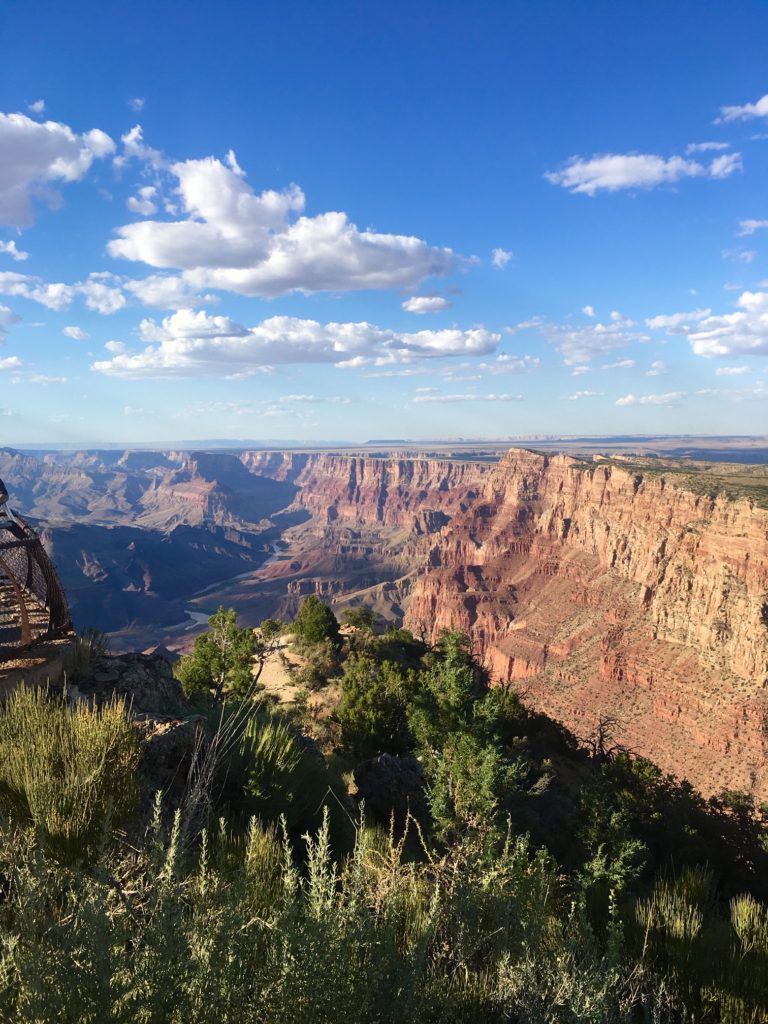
599	591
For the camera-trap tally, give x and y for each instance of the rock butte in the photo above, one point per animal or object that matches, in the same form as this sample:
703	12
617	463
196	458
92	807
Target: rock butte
595	589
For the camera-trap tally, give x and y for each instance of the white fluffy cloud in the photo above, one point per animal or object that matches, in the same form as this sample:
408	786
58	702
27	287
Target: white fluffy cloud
588	311
10	249
670	398
76	333
191	344
674	321
10	363
580	344
55	296
749	227
500	258
746	112
614	171
426	304
233	239
104	298
35	156
143	202
741	333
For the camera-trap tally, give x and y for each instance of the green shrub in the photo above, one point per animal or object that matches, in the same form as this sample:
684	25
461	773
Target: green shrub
316	622
372	709
68	769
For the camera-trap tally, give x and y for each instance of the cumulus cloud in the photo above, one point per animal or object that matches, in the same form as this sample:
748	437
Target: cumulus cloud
54	296
104	298
38	155
747	112
137	103
580	344
501	257
740	333
749	227
426	304
38	107
9	248
233	239
612	172
588	310
143	202
190	344
670	398
7	319
10	363
134	148
76	333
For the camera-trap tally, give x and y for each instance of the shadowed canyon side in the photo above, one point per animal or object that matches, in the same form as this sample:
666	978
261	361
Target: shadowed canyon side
599	590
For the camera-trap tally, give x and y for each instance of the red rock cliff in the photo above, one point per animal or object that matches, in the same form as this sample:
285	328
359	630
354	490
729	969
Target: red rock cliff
598	590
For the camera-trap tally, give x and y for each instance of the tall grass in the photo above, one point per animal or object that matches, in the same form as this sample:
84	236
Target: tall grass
69	770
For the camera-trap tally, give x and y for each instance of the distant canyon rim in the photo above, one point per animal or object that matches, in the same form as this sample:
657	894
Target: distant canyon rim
627	587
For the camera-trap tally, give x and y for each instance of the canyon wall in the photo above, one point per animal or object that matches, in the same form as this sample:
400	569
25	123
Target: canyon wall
601	592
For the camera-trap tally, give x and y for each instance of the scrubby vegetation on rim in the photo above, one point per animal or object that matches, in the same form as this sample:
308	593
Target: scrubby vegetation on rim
500	871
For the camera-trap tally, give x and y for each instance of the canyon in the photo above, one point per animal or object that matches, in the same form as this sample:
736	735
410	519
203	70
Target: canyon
628	590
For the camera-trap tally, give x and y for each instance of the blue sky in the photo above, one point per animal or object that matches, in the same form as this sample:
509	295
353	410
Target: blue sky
354	220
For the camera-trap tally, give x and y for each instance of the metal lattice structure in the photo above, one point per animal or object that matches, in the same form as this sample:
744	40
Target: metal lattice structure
33	606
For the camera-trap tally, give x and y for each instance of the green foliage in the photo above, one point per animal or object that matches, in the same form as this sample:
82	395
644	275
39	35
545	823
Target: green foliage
361	618
67	769
548	884
316	622
271	628
372	708
222	659
240	933
321	663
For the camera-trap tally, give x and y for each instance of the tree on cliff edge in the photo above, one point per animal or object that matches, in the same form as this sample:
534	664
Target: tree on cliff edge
316	622
221	658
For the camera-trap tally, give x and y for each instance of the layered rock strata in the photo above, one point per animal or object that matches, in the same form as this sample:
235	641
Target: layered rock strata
601	592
